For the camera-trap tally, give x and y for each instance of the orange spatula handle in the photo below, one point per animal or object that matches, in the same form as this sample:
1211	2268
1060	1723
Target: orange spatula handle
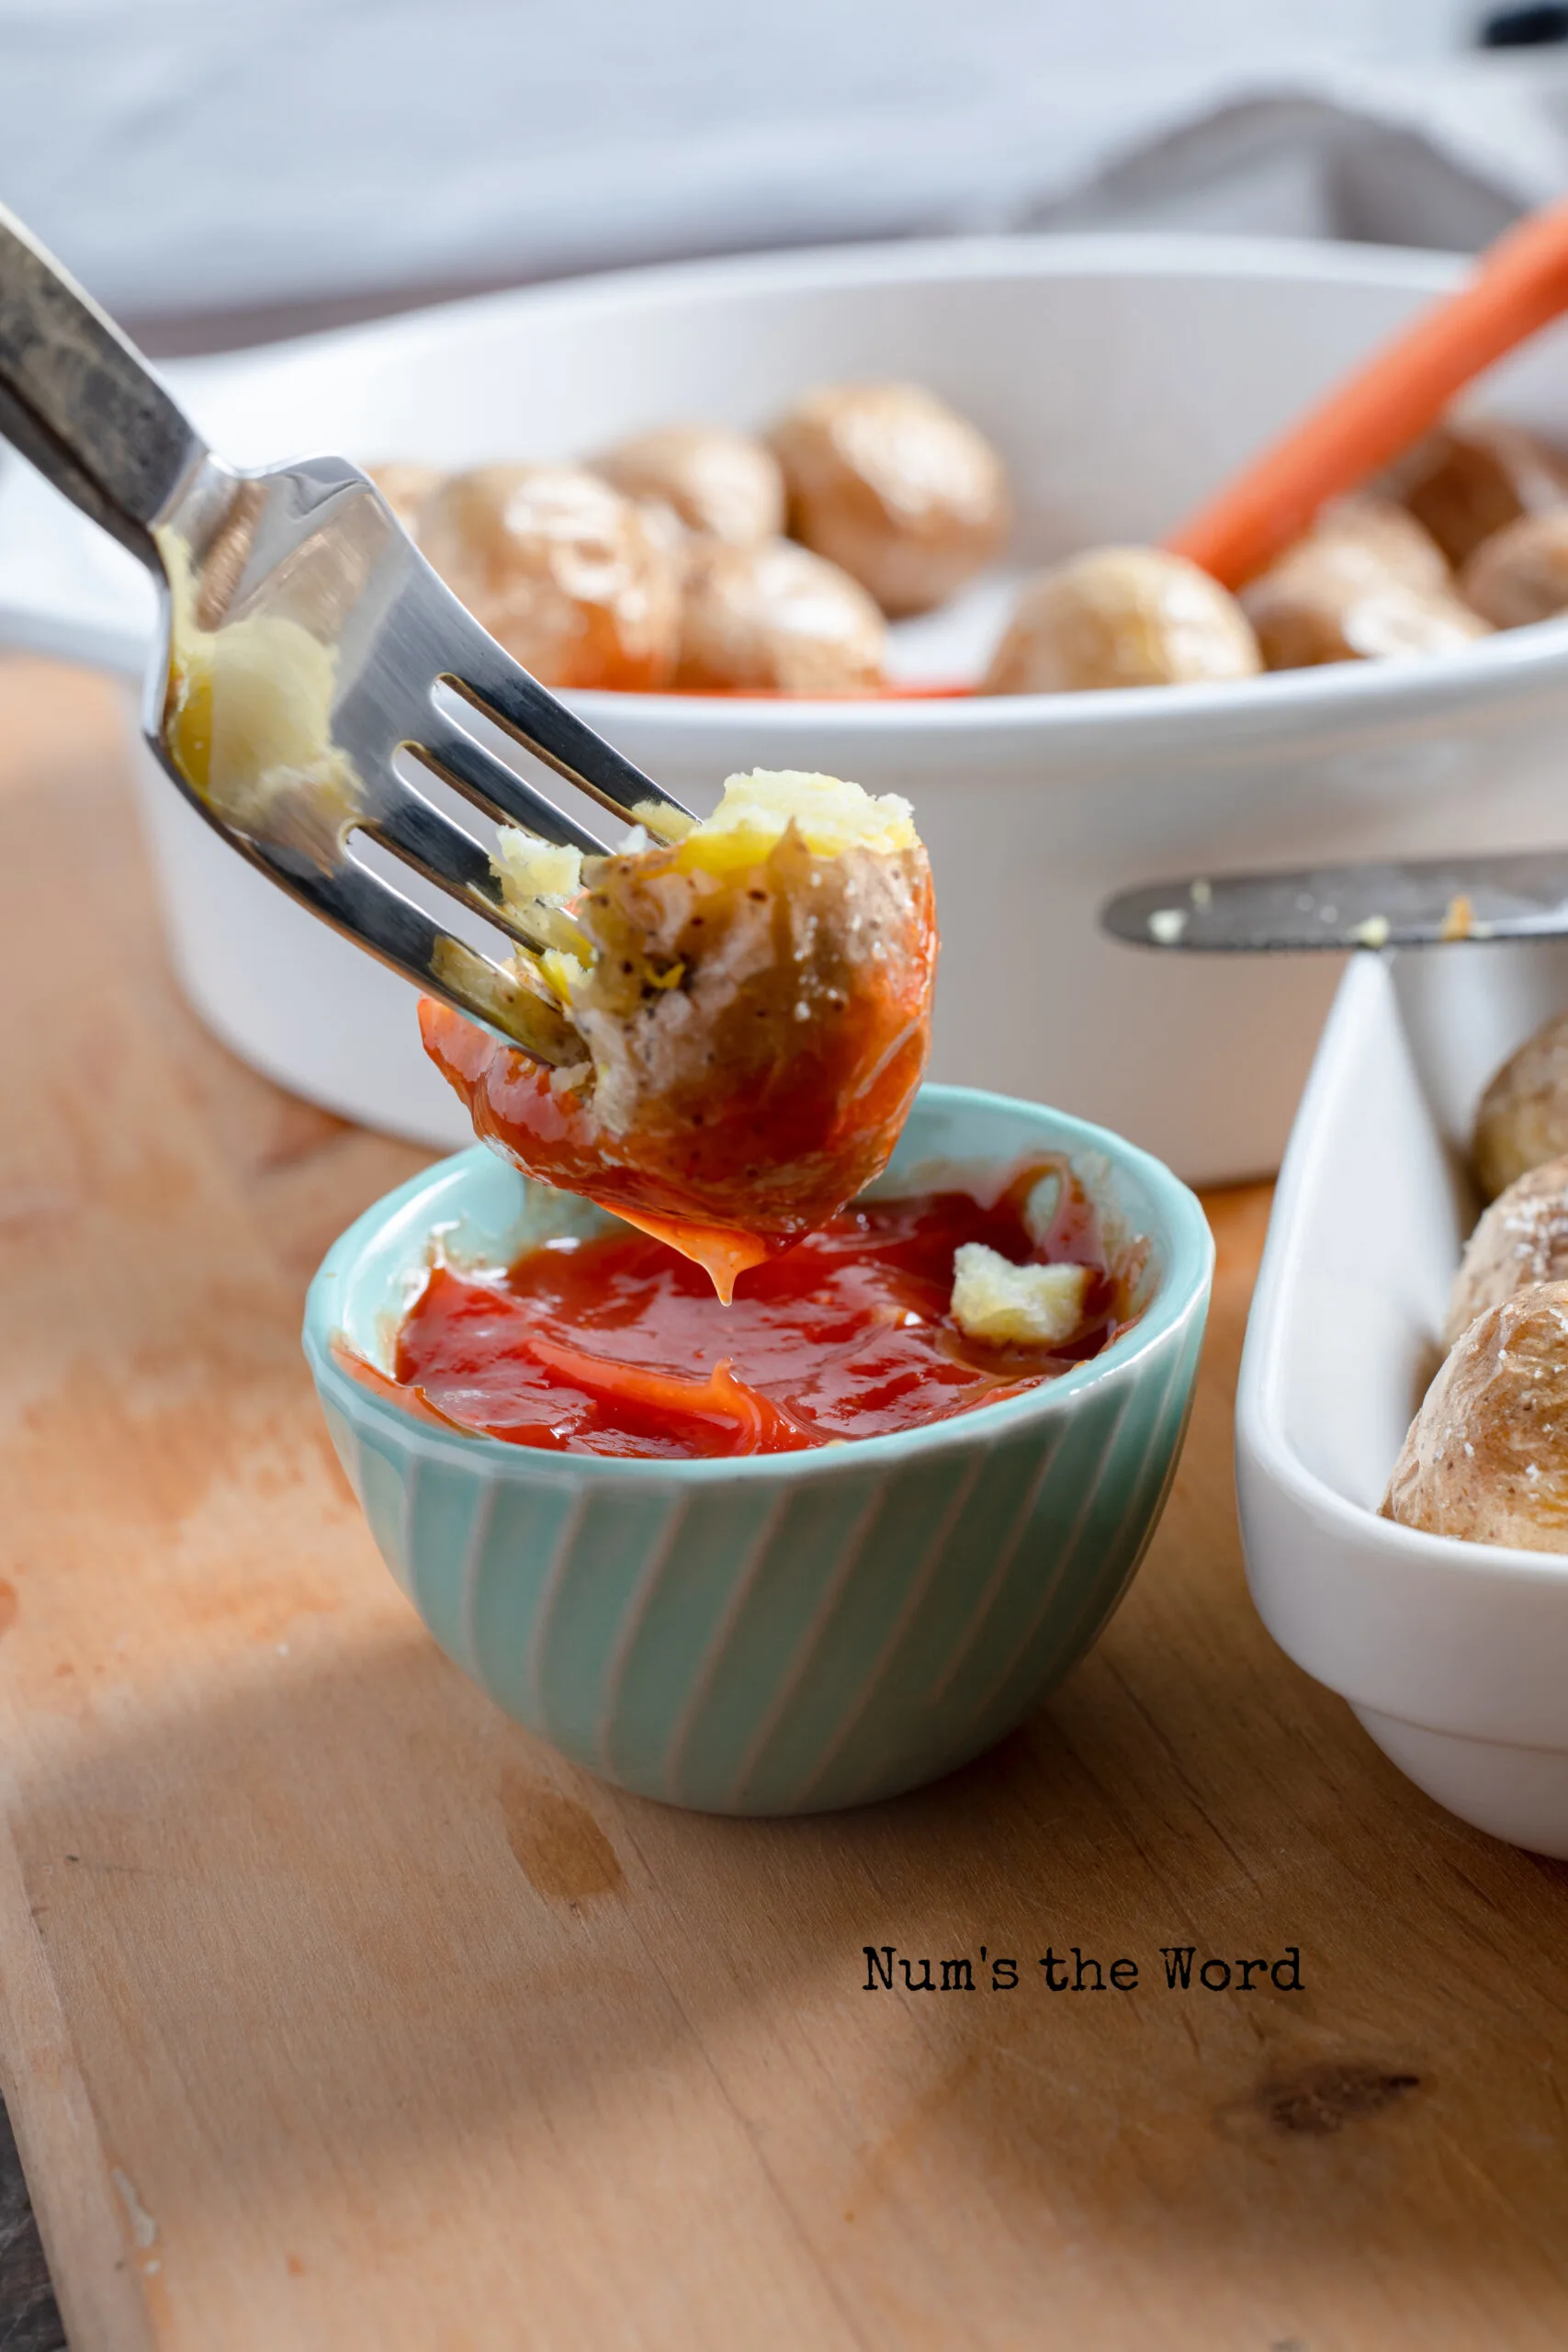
1521	285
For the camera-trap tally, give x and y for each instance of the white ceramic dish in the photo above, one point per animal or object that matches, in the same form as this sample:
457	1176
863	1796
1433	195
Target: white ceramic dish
1454	1656
1121	377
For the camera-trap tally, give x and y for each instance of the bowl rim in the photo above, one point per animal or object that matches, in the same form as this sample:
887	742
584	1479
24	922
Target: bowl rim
1181	1290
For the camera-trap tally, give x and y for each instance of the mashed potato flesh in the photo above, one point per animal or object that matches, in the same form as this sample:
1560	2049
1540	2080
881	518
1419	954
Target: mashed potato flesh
1029	1307
829	816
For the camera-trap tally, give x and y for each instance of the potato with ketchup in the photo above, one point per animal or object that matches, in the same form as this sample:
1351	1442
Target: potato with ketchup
753	1007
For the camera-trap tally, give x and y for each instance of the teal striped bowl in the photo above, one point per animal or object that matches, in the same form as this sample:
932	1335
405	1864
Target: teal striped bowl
783	1633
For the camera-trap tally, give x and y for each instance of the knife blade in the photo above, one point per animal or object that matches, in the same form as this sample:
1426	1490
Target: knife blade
1419	902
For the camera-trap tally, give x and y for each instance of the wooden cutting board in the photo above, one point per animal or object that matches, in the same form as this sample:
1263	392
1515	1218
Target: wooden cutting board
336	2012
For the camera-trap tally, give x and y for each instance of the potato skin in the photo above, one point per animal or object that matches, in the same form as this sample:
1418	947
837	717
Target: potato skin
1366	535
721	484
1121	617
1486	1457
1520	574
1472	477
406	487
1366	582
776	618
888	482
1521	1239
562	571
1522	1121
1306	620
1381	535
711	1095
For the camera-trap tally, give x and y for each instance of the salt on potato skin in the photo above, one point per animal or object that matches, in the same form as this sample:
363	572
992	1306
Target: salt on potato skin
1486	1458
1521	1239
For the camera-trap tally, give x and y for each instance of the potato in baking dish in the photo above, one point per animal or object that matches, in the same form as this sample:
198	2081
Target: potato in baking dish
891	484
754	1008
720	484
571	577
1486	1458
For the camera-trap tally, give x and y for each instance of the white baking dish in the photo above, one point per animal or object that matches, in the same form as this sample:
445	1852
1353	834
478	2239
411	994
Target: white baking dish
1454	1656
1121	377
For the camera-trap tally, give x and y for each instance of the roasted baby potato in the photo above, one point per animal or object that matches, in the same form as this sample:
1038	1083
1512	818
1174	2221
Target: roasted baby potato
776	617
1302	620
1122	616
753	1003
1522	1238
1523	1118
1366	535
724	485
1366	582
562	571
405	487
1473	478
1521	574
887	481
1486	1458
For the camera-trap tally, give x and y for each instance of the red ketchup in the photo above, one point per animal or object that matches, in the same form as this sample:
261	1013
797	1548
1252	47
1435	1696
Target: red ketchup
615	1344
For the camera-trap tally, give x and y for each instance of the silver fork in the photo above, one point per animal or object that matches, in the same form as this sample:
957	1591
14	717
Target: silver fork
310	547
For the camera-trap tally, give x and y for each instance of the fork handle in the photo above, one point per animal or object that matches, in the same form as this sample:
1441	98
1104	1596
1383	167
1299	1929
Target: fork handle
78	400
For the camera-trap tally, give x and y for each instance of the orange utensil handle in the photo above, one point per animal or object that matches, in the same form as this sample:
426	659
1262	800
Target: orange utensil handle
1521	285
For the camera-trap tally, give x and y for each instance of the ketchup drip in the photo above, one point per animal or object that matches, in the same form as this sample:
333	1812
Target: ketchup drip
615	1344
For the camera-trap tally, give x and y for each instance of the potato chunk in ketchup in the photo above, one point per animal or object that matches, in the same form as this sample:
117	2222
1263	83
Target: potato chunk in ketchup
753	1003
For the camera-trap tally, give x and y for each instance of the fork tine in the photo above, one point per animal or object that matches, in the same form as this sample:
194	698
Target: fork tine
429	841
505	691
452	753
355	900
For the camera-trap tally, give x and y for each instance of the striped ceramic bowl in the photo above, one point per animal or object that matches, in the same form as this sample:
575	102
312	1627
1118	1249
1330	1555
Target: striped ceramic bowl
782	1634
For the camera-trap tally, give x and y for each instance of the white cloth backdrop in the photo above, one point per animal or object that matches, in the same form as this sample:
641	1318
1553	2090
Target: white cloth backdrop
196	155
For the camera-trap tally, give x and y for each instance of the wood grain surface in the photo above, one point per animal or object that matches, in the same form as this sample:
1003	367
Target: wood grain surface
337	2012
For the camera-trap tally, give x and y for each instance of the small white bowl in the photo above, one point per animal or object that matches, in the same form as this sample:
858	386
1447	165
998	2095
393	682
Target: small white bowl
1454	1656
1121	377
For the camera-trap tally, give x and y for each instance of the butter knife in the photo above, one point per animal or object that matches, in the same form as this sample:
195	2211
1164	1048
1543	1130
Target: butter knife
1411	902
